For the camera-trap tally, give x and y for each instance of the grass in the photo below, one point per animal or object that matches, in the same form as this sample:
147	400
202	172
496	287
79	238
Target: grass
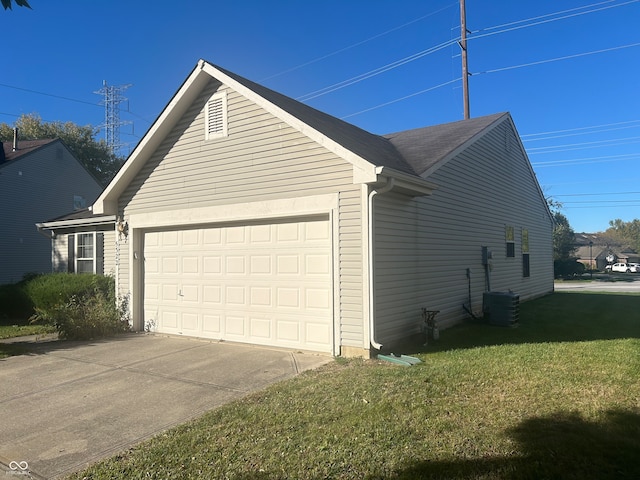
12	331
557	397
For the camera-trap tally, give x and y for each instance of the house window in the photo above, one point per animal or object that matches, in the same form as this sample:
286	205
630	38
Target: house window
83	249
526	272
216	116
510	241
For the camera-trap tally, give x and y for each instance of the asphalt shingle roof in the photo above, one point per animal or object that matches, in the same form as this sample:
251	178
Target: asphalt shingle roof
412	151
423	147
24	147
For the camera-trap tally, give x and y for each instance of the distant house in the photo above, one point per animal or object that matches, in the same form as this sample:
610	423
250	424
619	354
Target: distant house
597	250
245	215
39	179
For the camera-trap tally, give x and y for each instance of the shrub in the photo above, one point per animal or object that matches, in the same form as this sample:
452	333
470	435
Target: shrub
79	306
15	304
568	268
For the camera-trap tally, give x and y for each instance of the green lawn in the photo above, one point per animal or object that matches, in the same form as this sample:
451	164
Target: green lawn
11	331
558	397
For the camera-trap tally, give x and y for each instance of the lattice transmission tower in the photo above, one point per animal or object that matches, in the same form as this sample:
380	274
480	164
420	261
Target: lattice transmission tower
112	97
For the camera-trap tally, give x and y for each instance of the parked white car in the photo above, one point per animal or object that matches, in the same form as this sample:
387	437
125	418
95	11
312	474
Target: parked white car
624	267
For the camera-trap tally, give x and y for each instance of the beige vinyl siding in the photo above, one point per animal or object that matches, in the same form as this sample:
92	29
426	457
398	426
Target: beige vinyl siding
260	159
60	253
396	268
453	224
351	268
109	253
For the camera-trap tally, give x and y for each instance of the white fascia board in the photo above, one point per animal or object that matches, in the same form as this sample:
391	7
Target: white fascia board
407	184
80	222
331	145
181	101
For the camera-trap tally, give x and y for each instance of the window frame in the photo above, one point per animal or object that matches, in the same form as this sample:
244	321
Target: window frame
74	247
510	241
526	260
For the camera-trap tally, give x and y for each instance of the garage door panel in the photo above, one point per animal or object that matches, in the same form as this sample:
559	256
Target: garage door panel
234	326
260	328
263	284
211	326
261	297
212	295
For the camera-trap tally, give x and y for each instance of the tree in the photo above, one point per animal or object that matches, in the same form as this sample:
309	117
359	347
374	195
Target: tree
564	238
94	155
627	233
21	3
565	263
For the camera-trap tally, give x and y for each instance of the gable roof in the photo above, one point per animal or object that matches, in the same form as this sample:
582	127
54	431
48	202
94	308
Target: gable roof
423	148
24	147
408	156
376	149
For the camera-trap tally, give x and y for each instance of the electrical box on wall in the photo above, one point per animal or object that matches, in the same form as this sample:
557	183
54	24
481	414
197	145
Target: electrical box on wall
487	255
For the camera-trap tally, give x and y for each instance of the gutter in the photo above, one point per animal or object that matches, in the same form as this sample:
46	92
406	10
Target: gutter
41	230
372	315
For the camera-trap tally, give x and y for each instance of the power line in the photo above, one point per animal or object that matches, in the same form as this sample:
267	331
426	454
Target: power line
581	131
542	16
357	44
375	72
402	98
567	57
533	24
49	95
596	143
61	97
578	161
595	194
603	206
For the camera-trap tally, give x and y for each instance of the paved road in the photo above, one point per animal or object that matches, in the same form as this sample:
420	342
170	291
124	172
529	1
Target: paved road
624	282
69	404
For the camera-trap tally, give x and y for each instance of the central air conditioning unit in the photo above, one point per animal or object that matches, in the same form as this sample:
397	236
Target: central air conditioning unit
501	308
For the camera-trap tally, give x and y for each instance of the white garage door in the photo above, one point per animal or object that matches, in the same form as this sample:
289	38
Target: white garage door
264	284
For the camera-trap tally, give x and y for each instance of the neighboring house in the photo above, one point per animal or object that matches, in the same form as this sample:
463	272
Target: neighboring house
597	250
247	216
38	179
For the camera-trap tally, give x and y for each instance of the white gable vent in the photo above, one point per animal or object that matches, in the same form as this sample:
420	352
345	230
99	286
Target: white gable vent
216	116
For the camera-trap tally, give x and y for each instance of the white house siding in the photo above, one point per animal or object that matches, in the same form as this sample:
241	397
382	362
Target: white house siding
38	186
486	187
261	159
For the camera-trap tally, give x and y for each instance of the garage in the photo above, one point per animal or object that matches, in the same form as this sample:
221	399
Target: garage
262	283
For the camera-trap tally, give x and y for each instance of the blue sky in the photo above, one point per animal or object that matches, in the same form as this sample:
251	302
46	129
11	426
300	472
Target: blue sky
567	70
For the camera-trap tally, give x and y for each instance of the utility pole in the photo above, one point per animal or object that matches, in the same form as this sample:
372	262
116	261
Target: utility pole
465	68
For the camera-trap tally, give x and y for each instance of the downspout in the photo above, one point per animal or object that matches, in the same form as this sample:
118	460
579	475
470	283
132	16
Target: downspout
372	332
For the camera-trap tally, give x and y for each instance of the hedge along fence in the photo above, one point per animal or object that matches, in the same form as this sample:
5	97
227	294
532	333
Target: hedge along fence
80	306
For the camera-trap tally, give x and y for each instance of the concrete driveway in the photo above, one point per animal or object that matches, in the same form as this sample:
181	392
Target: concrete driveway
68	404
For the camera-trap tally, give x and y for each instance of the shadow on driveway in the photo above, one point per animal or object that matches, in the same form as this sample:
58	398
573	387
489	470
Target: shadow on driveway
65	405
